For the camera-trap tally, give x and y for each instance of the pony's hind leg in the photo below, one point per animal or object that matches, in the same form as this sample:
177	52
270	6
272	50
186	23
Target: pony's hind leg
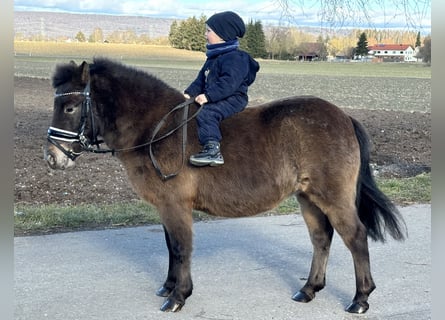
321	232
354	235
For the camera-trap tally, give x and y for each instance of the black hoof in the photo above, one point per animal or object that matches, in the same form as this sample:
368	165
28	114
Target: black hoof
171	305
300	296
356	307
163	292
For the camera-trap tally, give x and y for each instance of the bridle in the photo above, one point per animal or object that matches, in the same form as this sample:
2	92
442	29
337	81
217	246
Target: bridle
55	135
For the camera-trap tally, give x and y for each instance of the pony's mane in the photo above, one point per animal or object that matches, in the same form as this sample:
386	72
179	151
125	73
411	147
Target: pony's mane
114	69
64	73
110	69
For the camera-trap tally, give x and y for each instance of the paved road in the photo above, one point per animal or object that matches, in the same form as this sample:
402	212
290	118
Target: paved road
242	269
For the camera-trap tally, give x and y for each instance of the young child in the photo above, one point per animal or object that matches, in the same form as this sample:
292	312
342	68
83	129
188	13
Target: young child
221	83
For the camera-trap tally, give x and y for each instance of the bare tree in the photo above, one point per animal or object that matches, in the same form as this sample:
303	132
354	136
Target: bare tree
341	13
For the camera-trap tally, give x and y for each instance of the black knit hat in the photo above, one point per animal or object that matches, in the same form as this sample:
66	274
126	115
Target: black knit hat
227	25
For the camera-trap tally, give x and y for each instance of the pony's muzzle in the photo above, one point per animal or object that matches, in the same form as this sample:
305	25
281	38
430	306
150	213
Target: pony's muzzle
56	159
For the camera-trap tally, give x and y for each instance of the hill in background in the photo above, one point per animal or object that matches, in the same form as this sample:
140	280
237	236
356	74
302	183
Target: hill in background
31	25
53	26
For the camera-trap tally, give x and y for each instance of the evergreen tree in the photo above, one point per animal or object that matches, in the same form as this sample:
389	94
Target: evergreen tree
260	41
188	34
418	42
425	51
362	46
173	36
196	31
243	41
254	41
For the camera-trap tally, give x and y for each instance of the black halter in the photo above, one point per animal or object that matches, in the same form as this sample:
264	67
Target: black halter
55	134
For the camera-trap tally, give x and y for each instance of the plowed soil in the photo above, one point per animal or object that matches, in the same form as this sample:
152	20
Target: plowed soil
401	148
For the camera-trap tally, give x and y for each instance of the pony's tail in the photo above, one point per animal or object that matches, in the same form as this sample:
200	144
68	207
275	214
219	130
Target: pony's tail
375	209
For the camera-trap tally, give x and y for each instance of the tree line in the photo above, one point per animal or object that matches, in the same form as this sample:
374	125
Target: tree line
279	43
126	37
189	34
294	44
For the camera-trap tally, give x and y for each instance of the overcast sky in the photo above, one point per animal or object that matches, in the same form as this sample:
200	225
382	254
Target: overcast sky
304	12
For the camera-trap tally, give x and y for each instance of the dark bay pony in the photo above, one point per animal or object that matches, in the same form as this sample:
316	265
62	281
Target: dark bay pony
302	146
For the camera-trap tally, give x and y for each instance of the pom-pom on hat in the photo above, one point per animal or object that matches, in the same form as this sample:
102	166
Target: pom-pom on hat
227	25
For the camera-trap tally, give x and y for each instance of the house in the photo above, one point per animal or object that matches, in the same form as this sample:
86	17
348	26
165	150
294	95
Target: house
311	51
392	53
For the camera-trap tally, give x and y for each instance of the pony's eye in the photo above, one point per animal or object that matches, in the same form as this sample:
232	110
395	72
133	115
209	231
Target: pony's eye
69	109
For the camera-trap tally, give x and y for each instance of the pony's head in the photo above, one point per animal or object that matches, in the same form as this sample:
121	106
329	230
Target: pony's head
71	130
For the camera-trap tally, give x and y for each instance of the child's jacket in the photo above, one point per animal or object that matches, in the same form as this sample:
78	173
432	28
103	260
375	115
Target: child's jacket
225	75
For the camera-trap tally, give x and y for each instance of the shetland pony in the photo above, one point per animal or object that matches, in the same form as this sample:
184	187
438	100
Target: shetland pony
302	146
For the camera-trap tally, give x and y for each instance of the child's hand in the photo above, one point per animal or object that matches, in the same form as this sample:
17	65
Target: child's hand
186	95
201	99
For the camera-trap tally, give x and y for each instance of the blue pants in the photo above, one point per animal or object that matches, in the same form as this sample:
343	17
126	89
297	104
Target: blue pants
211	115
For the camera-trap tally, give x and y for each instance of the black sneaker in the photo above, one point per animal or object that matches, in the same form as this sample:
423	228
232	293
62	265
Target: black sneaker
210	155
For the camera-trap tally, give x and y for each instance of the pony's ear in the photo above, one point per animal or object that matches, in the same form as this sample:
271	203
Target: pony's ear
85	70
73	63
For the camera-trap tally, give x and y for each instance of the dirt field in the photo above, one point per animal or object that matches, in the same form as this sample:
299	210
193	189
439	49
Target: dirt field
401	140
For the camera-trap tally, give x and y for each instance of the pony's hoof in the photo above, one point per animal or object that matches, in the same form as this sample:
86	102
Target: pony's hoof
163	292
356	307
170	305
300	296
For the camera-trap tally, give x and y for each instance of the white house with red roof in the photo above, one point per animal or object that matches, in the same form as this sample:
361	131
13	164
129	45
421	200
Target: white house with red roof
393	53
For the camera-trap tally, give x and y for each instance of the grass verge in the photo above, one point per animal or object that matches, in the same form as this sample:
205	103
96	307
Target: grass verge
407	191
46	219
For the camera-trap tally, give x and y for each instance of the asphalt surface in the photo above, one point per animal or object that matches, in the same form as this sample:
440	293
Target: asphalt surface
244	268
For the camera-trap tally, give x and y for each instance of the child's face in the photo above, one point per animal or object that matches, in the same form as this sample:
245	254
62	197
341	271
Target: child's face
212	37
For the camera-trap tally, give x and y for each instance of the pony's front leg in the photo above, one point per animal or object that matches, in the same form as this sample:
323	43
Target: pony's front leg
179	237
170	282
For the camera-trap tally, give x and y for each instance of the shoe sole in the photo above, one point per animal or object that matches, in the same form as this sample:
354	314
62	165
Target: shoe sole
198	163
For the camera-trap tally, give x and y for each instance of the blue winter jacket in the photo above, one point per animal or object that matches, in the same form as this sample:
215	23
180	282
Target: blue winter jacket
225	75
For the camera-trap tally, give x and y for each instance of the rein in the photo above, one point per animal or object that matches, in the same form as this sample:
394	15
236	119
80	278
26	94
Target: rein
55	135
185	120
